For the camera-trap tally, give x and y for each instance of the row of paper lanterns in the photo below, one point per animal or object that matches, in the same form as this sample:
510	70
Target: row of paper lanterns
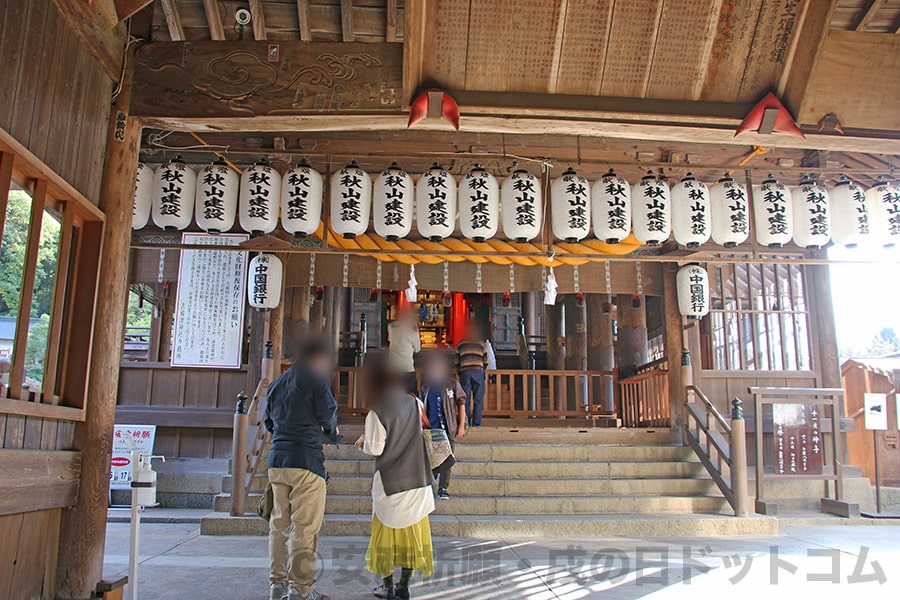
809	214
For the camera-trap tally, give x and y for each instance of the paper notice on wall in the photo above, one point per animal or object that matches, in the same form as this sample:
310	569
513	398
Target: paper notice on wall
209	304
128	439
876	417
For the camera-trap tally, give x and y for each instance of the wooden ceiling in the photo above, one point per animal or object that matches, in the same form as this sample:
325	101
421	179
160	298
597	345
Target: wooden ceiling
719	50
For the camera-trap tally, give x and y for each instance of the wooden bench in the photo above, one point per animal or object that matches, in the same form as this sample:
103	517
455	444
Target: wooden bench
112	589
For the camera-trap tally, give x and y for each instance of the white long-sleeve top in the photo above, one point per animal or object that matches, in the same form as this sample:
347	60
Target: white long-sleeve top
400	510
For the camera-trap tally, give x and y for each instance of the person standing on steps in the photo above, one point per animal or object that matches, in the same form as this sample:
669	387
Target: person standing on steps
471	362
301	415
445	407
403	343
402	496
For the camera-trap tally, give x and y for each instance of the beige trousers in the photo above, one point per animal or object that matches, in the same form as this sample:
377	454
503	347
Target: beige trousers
297	514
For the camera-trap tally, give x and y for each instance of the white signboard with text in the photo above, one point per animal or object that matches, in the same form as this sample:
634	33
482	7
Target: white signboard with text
876	417
127	439
209	304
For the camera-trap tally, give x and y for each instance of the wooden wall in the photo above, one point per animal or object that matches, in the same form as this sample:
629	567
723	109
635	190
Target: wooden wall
54	98
858	381
192	408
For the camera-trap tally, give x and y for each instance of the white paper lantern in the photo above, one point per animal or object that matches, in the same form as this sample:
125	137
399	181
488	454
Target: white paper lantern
884	199
392	203
260	198
301	200
264	281
479	205
773	213
216	197
812	214
651	217
851	219
570	203
143	196
730	212
691	218
611	208
521	205
351	201
692	283
436	204
173	195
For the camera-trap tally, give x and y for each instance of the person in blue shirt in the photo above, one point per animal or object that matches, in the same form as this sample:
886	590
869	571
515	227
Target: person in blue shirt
445	402
301	415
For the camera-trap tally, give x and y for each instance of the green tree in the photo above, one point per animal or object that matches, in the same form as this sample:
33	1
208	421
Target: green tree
36	350
138	316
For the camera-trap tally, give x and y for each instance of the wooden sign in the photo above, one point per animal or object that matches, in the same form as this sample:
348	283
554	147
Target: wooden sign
798	439
249	78
209	308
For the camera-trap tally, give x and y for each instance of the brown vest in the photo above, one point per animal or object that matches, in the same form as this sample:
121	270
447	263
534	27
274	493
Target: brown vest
403	464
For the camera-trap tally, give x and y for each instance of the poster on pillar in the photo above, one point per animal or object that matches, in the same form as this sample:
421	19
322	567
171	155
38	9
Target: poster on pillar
798	439
209	304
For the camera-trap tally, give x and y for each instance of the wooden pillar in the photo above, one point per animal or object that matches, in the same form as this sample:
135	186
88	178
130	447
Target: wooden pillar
167	321
633	348
556	353
255	349
576	334
83	527
674	332
316	316
601	353
276	326
531	311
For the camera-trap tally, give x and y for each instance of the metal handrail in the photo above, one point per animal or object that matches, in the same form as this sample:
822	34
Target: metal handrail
710	408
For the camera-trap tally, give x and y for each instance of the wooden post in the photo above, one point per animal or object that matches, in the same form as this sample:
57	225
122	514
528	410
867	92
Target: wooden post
674	330
633	347
166	322
276	325
739	461
556	354
316	316
601	355
239	457
83	527
576	334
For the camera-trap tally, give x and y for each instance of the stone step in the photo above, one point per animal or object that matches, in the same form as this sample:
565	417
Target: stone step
534	526
525	505
339	469
482	487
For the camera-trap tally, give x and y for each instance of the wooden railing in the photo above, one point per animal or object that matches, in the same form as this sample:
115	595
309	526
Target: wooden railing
644	397
720	445
249	439
511	393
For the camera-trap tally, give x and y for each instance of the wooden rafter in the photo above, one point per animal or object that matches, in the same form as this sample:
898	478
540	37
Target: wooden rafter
303	17
347	20
808	43
173	20
390	32
214	19
127	8
414	31
867	14
258	20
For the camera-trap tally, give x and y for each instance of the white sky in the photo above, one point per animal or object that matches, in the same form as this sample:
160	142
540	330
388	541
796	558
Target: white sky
865	295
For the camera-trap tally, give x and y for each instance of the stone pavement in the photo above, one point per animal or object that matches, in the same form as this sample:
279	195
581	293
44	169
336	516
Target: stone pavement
178	563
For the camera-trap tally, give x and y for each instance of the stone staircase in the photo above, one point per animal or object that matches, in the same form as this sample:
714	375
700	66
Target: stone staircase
536	482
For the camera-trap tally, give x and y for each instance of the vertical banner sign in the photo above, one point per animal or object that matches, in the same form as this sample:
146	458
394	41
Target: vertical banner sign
126	439
209	307
876	417
798	439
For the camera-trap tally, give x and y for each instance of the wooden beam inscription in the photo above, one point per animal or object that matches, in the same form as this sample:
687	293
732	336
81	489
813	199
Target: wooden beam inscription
203	79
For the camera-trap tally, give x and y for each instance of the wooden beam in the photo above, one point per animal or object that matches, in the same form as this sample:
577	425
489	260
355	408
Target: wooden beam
127	8
23	320
38	480
303	18
415	19
806	49
214	19
104	43
92	17
6	165
390	31
347	20
173	20
176	416
867	14
257	20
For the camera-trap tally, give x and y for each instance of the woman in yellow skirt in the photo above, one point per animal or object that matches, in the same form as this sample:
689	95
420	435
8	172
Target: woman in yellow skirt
402	496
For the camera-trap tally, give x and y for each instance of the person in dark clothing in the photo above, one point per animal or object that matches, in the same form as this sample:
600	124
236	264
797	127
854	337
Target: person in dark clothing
445	403
301	414
472	361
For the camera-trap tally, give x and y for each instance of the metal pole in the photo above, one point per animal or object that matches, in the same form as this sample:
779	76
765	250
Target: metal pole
135	530
739	460
877	479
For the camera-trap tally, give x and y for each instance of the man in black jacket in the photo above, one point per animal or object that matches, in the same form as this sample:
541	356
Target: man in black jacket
301	414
